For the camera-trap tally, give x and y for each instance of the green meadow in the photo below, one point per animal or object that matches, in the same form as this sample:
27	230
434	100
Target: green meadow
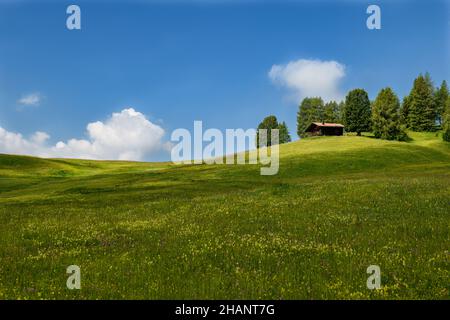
166	231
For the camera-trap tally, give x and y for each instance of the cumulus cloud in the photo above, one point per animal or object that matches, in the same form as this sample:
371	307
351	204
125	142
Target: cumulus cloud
32	99
127	135
15	143
310	78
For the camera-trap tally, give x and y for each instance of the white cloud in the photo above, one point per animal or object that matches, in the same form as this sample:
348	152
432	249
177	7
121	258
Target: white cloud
15	143
32	99
127	135
310	78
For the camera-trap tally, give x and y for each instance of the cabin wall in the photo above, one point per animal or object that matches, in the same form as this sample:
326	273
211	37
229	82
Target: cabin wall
326	131
332	131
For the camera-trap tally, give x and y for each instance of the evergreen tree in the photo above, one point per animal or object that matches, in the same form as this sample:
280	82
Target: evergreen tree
357	111
284	133
310	110
341	112
422	113
441	96
446	135
331	112
268	123
386	116
404	112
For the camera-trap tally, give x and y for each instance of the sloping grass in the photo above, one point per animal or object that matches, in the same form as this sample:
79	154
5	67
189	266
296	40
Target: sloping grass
164	231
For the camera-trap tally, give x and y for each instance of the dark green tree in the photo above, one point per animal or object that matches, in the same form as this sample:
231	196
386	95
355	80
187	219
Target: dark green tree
341	111
404	112
386	116
332	112
446	135
310	110
422	108
357	111
441	97
268	123
284	135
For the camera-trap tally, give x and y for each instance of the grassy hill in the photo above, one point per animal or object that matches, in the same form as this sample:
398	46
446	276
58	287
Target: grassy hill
163	231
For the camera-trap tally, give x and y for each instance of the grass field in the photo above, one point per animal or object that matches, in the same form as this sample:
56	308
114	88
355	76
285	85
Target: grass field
161	231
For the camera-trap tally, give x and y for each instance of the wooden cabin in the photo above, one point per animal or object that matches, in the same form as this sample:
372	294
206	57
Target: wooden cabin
325	129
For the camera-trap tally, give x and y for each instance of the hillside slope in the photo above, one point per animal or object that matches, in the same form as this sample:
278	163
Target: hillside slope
158	230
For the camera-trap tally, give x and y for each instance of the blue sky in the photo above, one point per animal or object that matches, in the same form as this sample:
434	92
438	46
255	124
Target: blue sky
202	60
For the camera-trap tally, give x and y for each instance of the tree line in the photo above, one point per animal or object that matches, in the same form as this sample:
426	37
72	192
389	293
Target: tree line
425	108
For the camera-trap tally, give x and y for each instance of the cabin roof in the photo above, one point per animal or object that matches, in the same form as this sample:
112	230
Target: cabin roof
327	124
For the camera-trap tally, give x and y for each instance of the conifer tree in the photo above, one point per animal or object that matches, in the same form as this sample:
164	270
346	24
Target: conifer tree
404	112
341	112
441	96
284	133
386	116
310	110
446	135
357	111
268	123
331	112
422	111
